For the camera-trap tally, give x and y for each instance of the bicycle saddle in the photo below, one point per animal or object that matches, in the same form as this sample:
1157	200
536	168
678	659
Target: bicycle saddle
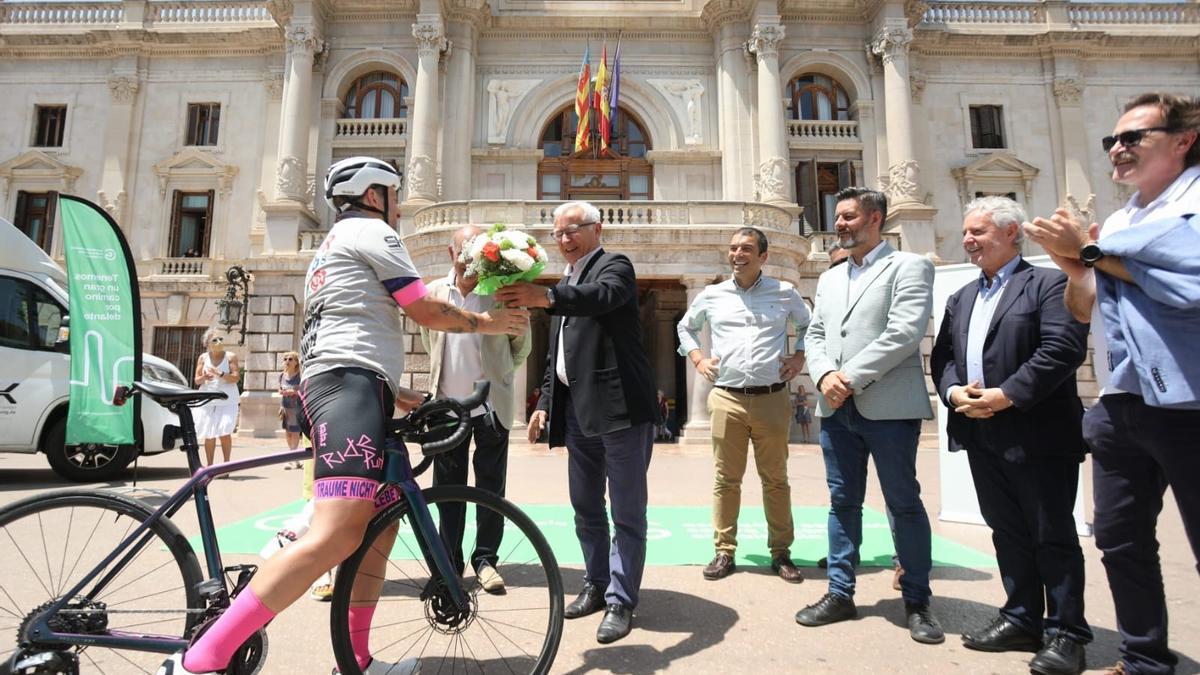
168	394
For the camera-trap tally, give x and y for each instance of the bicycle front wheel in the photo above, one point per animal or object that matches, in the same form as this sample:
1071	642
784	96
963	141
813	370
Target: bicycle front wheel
52	542
513	626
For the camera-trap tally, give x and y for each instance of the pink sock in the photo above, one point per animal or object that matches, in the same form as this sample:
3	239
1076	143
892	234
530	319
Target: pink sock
215	648
359	619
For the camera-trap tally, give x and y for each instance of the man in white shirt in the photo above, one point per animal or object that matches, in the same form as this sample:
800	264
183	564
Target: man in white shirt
457	361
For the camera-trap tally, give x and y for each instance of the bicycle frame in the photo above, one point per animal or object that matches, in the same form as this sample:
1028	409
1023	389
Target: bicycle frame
398	476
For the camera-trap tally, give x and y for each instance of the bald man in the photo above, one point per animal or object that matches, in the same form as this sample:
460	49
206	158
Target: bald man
457	361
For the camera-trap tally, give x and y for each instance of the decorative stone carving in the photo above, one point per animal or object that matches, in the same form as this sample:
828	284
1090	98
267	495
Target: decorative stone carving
422	181
765	40
916	85
430	36
995	173
273	82
123	88
891	42
114	207
290	179
310	195
504	97
303	38
771	182
1068	90
684	96
904	181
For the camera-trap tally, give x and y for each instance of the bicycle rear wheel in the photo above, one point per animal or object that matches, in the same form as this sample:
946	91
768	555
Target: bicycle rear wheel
52	542
517	631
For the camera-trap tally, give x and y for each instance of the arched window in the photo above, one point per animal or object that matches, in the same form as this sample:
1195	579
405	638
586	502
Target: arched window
377	95
623	174
813	96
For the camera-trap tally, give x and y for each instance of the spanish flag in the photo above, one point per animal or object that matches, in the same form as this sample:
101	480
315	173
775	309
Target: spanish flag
582	101
601	98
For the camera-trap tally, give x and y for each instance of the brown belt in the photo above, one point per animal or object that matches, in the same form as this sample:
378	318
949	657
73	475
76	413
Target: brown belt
754	391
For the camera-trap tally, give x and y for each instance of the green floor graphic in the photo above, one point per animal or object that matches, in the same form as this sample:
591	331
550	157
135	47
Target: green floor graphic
678	535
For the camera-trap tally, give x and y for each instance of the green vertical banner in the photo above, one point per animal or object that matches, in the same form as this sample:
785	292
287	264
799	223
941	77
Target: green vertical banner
106	324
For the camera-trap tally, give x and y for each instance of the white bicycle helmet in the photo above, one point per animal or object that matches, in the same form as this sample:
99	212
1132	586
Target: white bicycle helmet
352	177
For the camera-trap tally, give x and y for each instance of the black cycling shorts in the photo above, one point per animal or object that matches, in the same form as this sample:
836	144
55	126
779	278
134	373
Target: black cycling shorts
345	413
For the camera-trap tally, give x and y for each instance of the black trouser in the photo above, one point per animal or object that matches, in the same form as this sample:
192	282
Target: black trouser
491	468
1137	451
1028	506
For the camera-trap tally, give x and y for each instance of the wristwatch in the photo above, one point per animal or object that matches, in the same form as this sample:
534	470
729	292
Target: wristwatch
550	295
1090	254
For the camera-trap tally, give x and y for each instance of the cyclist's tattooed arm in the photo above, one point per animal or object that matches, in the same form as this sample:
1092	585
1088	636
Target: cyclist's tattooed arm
439	315
463	321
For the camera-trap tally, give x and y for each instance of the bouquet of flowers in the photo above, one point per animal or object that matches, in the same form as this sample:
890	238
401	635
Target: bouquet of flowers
500	256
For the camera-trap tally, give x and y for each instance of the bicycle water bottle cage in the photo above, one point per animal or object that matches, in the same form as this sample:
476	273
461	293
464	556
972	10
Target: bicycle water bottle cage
245	573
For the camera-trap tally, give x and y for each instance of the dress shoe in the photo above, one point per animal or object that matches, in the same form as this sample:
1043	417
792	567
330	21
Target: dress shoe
829	609
922	626
1061	656
617	621
1002	635
786	569
720	567
589	601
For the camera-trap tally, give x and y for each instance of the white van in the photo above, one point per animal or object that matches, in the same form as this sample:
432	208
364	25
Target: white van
35	370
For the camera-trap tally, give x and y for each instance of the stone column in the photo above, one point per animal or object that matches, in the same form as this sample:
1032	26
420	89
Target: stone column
735	126
421	173
292	169
459	129
698	428
112	194
774	184
1076	189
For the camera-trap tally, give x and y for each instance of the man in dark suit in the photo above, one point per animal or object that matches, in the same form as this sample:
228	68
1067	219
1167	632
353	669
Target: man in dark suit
598	399
1004	364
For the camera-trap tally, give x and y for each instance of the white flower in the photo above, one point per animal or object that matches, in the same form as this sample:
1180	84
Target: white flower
475	248
519	258
541	252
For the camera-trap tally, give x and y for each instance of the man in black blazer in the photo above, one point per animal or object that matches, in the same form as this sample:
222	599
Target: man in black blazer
598	398
1004	364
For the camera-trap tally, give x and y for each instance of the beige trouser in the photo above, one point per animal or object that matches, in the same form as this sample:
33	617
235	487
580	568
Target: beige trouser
765	420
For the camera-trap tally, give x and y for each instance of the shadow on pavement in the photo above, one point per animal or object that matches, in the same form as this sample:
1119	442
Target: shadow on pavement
704	622
958	615
45	479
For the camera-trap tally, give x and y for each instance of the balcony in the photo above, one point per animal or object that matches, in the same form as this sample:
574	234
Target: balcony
1099	15
369	133
824	134
23	17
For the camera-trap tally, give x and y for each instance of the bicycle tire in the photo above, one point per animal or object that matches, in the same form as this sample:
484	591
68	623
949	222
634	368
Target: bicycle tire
53	541
534	589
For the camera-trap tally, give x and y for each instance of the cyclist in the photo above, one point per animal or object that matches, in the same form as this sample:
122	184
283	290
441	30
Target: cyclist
353	356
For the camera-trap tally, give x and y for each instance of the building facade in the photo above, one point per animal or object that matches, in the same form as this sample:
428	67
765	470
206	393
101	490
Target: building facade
204	128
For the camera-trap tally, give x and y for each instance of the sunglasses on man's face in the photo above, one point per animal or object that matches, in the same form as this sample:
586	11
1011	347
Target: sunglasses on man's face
1130	138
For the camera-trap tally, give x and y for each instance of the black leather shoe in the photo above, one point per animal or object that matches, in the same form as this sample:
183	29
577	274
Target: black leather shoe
1061	656
616	624
786	569
922	626
589	601
720	567
829	609
1002	635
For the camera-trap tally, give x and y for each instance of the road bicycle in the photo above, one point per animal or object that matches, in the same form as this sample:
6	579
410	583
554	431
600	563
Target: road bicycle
96	581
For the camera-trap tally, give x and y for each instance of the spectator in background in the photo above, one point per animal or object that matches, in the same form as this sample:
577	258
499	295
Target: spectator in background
217	370
289	404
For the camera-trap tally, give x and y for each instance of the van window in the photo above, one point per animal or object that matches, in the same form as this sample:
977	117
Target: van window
29	317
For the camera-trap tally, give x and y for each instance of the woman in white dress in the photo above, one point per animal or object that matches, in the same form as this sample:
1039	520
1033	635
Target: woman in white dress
217	370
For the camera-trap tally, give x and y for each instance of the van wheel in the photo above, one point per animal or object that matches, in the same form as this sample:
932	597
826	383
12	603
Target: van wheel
84	463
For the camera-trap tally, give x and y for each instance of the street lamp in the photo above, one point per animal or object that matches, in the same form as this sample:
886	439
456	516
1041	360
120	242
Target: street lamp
229	307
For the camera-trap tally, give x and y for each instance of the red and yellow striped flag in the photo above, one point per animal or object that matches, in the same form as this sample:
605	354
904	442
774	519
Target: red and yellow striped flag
601	99
582	101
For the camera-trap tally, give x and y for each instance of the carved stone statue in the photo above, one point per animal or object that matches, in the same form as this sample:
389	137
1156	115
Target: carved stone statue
290	181
505	96
685	98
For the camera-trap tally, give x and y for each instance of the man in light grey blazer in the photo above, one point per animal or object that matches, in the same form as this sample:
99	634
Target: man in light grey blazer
864	353
456	361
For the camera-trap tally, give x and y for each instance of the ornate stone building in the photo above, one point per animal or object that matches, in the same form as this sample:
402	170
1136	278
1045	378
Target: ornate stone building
203	126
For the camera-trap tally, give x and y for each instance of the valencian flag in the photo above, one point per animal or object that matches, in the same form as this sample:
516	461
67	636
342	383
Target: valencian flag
105	329
582	102
601	99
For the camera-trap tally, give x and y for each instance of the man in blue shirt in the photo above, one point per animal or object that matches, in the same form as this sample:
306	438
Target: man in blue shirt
750	365
1144	280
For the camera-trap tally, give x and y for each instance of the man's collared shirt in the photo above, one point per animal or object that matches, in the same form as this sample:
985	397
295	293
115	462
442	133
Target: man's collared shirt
857	271
749	328
560	364
1181	196
462	353
986	301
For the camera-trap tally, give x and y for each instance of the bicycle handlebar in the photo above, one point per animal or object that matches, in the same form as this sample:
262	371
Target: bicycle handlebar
441	424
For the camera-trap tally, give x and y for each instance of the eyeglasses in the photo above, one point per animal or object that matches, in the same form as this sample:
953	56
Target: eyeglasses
568	233
1130	138
216	340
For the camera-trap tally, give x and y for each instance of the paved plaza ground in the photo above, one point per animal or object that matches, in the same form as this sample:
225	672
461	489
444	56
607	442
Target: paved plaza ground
684	624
